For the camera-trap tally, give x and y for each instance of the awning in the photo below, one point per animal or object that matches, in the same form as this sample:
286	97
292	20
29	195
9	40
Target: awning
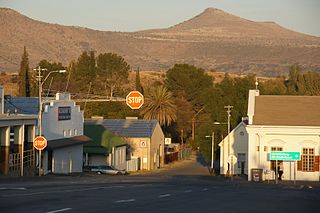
65	142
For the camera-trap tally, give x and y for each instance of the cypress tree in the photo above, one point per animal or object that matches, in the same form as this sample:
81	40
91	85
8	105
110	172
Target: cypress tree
138	83
24	80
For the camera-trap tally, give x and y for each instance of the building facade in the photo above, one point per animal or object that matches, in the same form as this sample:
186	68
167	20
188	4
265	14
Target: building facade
145	140
277	123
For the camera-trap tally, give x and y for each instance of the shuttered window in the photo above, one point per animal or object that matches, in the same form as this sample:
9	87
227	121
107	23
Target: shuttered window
307	159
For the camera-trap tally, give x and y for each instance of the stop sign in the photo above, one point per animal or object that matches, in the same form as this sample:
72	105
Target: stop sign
134	100
40	143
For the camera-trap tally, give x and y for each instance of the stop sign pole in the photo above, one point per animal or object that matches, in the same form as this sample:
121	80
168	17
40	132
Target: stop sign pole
135	100
40	143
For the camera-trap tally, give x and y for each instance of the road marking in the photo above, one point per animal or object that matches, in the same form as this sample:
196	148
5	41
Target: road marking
187	191
59	191
60	210
125	201
165	195
205	189
22	188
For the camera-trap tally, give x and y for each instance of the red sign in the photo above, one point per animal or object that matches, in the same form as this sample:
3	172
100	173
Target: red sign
134	100
40	143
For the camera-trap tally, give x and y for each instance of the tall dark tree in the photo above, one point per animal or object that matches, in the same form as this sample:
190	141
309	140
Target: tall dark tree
24	78
138	82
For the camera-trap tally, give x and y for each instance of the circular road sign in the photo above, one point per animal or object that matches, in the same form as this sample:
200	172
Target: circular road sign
134	100
40	143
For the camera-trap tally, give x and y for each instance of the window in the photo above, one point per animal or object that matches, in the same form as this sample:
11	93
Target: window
273	162
75	132
64	133
276	149
307	159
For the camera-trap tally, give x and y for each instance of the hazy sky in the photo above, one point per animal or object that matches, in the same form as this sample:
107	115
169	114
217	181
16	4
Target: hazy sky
133	15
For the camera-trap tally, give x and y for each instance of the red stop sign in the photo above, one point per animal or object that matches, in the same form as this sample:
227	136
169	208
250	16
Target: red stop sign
40	143
134	100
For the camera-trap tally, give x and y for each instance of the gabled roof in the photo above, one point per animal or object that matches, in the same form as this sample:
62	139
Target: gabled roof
130	128
287	110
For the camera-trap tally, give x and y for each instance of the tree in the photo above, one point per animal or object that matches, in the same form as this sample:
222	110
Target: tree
113	71
188	81
85	71
138	83
24	79
159	105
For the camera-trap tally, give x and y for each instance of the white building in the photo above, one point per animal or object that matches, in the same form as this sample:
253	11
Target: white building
275	123
62	126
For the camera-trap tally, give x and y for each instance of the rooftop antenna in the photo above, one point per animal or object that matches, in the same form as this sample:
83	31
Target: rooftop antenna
256	83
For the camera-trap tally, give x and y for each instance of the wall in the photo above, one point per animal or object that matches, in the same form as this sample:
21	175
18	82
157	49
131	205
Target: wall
238	144
157	148
291	139
139	148
53	128
67	160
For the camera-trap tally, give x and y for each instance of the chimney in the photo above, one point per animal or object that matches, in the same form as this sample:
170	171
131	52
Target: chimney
1	100
251	104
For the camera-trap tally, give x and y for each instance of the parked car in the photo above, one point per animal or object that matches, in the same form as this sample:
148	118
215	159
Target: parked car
108	170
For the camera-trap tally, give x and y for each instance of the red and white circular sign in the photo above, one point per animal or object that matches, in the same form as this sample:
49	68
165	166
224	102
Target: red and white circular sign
40	143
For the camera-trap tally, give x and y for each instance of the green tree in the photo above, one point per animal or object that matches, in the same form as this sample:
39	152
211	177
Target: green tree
159	105
24	78
187	81
113	72
138	82
85	71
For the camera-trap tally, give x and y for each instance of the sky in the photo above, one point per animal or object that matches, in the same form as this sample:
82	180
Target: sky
134	15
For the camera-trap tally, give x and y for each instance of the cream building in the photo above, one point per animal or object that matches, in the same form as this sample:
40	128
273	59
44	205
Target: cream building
275	123
145	140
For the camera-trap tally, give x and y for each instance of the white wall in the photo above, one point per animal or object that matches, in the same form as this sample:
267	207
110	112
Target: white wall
291	139
52	128
67	160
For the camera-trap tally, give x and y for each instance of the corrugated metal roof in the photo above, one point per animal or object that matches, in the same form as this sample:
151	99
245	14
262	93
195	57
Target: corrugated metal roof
130	128
21	105
287	110
65	142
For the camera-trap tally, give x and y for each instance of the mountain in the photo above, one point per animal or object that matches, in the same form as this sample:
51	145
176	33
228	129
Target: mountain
213	40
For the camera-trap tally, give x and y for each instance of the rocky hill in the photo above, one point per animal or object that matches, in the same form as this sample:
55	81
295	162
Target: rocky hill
213	40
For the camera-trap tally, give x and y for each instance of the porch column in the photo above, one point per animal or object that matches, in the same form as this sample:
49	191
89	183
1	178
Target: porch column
4	149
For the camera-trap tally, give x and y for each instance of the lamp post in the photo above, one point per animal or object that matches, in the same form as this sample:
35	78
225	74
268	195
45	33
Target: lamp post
39	78
212	151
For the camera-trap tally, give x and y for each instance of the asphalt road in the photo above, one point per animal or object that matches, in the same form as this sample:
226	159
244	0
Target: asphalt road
181	187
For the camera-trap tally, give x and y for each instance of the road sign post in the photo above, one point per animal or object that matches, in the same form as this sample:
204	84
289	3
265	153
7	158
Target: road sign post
135	100
285	156
40	143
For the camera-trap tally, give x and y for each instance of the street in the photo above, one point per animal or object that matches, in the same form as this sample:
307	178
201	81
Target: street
182	187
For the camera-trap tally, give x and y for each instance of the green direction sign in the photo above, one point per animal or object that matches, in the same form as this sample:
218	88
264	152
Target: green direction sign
285	156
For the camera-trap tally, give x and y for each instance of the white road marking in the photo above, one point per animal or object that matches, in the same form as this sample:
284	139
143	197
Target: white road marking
205	189
125	201
59	191
60	210
22	188
165	195
187	191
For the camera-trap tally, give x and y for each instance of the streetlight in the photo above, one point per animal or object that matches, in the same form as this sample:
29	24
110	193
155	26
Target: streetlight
212	151
39	69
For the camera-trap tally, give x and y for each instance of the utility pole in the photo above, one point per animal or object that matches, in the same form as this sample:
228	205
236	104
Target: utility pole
229	116
39	78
